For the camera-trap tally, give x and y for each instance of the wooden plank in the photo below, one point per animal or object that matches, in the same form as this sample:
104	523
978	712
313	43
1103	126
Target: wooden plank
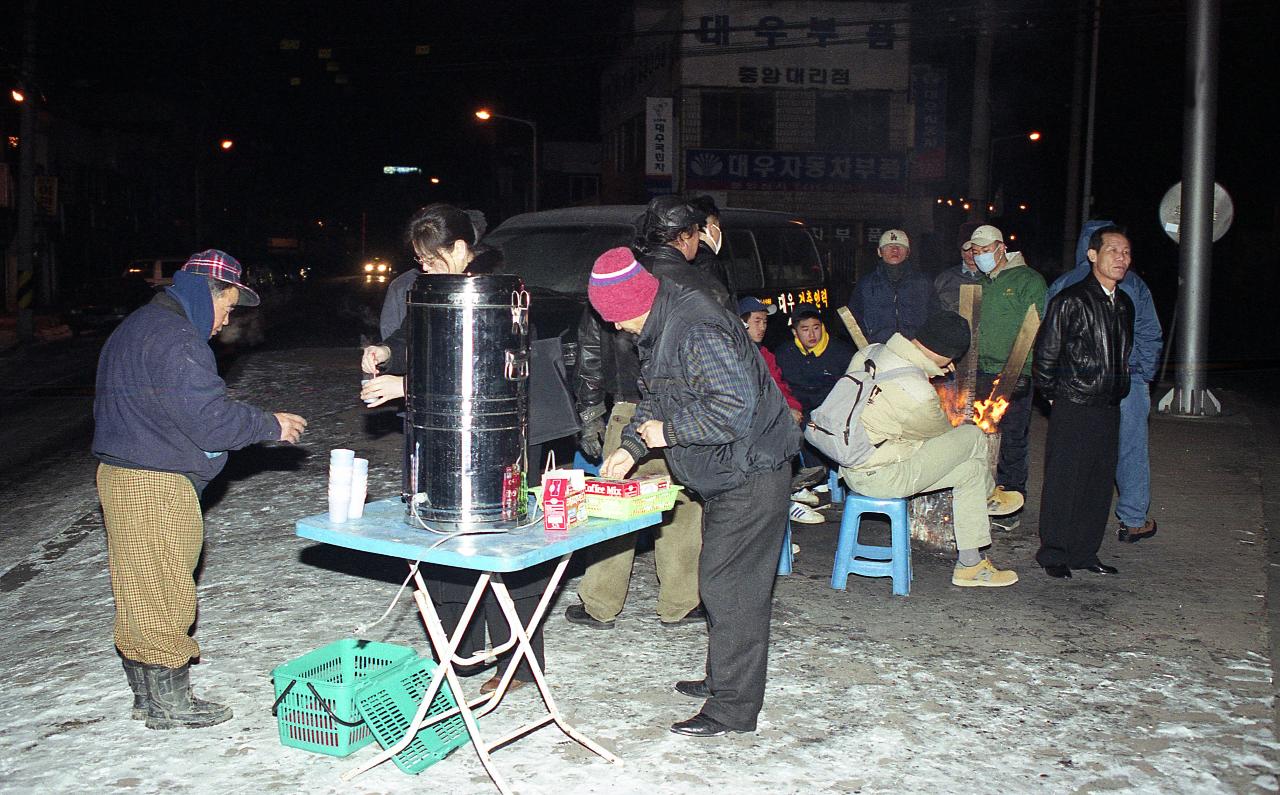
967	367
850	324
1018	354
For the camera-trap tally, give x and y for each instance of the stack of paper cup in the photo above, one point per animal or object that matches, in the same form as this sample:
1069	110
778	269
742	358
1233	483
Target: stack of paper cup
359	487
341	467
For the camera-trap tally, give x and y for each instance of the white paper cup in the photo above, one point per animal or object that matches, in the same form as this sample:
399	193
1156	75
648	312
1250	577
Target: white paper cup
341	456
339	506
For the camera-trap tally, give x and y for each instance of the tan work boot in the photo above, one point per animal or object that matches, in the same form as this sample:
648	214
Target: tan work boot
983	575
1003	503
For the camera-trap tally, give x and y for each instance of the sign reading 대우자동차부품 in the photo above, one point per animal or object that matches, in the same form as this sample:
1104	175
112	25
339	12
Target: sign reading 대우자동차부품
733	169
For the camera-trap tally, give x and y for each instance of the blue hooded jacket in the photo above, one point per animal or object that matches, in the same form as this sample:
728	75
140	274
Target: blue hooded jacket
1148	337
160	403
884	306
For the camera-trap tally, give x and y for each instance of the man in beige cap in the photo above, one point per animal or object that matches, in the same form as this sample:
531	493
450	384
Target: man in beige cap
1009	287
895	298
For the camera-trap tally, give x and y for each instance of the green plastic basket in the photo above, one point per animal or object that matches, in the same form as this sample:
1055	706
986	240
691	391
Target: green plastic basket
389	704
315	703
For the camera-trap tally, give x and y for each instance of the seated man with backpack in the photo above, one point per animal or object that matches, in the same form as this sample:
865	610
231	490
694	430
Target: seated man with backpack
884	424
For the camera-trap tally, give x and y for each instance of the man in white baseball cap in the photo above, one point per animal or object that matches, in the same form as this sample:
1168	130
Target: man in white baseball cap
895	298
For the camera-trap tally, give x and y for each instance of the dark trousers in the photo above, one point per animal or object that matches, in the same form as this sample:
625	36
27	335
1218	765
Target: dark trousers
742	534
450	589
1015	427
1079	473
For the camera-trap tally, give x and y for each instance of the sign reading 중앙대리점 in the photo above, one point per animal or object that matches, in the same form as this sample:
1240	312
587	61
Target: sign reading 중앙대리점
733	169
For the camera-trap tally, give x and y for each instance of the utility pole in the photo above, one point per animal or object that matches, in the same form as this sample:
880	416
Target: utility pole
980	131
1070	230
1190	397
1087	201
27	180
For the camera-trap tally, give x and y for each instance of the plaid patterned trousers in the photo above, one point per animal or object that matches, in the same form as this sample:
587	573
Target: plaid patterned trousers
154	535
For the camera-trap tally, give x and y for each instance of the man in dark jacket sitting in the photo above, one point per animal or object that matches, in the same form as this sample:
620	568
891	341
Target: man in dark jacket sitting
1082	367
164	424
708	401
813	360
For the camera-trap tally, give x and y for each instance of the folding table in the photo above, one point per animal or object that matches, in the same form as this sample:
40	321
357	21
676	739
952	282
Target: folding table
383	530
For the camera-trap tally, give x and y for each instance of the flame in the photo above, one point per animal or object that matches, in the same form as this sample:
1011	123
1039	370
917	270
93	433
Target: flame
986	414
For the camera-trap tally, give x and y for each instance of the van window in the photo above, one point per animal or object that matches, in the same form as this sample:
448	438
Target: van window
743	267
557	258
788	256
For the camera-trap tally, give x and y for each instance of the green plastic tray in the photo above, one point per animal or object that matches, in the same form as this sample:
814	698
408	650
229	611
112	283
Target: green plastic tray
389	704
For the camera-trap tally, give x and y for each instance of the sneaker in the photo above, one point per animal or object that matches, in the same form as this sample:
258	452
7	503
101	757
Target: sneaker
577	614
809	476
806	497
805	515
821	488
983	575
795	550
1003	503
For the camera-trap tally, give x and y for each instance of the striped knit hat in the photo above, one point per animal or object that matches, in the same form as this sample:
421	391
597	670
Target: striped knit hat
620	288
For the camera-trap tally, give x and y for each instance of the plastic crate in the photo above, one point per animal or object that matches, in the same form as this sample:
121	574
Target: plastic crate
316	694
389	704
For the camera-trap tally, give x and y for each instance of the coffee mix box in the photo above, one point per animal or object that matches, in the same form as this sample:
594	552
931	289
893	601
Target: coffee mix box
629	487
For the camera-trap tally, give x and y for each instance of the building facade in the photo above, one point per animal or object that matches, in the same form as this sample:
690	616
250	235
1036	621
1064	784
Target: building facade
808	107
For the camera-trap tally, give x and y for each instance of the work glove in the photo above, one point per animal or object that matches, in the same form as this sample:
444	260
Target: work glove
591	437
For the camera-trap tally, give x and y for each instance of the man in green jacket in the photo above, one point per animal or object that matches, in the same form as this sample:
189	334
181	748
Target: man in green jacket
1008	288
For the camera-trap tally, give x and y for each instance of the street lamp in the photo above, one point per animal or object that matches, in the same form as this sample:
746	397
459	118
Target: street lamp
1033	136
484	114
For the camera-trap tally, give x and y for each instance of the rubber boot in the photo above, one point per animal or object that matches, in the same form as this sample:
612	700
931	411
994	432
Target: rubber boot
138	684
171	705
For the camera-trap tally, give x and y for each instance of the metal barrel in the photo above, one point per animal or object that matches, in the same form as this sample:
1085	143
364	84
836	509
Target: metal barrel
467	402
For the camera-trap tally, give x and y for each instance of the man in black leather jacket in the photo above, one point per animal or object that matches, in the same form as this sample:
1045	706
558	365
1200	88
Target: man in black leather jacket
1081	367
607	375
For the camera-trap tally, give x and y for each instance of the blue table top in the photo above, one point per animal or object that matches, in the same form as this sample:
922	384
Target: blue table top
383	530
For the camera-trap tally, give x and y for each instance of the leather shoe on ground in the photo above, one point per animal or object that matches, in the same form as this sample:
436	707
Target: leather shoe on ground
1099	568
492	685
1062	572
1133	535
809	476
577	614
693	688
697	615
703	726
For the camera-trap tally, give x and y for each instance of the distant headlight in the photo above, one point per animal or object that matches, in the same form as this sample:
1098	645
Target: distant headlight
368	267
382	268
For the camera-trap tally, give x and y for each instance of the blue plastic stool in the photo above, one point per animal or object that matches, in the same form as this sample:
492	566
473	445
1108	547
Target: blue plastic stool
835	486
784	560
869	560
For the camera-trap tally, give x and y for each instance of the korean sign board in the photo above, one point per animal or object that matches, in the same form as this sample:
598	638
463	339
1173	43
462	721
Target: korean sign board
823	45
733	169
929	98
660	144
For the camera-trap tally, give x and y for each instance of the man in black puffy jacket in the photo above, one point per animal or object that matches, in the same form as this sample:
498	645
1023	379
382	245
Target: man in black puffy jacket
708	401
1081	367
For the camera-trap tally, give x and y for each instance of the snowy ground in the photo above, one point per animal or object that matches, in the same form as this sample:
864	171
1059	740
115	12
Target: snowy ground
1157	680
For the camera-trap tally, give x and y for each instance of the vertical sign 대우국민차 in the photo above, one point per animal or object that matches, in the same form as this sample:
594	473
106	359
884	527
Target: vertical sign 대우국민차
659	125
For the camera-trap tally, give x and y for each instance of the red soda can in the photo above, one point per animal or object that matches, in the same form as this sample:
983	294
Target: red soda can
511	493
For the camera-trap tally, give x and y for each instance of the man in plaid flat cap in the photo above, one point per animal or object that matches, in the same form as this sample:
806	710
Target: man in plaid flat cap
164	424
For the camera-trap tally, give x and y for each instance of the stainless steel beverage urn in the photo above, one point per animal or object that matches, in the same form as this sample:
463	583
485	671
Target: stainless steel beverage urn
467	402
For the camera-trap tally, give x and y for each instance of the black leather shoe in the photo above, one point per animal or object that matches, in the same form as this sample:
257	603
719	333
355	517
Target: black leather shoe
1099	568
1062	572
697	615
1132	535
577	614
703	726
693	688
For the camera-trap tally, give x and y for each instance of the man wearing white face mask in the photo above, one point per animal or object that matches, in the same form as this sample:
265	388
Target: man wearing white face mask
710	241
1010	286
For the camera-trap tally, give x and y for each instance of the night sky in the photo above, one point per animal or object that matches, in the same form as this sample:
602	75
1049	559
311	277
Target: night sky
320	146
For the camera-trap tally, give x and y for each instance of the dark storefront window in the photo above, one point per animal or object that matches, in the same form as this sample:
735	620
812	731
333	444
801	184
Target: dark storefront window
853	122
738	119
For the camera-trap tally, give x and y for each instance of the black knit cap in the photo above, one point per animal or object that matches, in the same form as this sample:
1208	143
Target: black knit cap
946	334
